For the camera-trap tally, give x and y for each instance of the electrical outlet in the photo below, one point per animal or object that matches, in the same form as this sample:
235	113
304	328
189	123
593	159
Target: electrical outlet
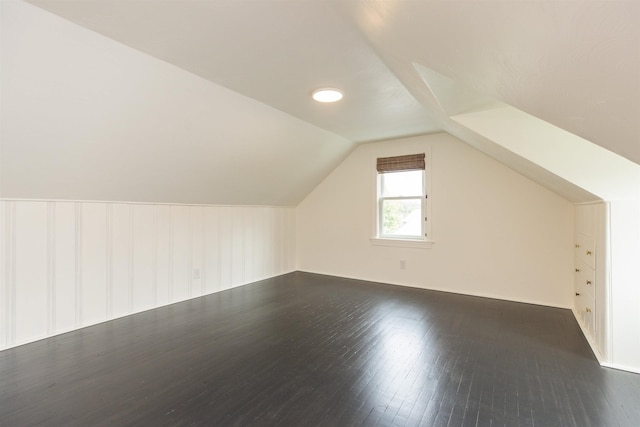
403	264
196	273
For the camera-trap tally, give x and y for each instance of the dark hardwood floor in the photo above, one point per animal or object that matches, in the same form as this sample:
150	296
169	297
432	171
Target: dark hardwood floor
312	350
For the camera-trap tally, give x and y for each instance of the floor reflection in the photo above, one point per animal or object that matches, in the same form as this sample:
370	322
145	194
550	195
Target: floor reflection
406	355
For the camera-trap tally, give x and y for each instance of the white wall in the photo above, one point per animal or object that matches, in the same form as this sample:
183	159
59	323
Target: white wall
87	118
65	265
624	304
496	233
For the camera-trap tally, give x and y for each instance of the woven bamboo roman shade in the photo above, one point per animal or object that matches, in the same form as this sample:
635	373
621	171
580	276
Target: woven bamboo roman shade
409	162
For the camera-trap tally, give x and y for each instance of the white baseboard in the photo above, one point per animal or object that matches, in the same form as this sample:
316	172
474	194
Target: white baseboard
448	290
620	367
88	325
594	348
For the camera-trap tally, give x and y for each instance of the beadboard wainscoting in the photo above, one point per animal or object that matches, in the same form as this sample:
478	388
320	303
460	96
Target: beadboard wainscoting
66	265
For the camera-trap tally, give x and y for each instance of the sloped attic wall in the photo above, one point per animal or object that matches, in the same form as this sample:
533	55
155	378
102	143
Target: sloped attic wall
86	118
497	234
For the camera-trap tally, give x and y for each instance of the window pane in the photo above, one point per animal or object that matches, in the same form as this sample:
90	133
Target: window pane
399	184
402	217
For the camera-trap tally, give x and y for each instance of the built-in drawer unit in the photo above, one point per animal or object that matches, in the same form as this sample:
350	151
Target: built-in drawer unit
585	301
590	278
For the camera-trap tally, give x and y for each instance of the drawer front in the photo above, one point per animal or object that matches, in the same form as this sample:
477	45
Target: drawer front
585	250
584	278
585	309
589	321
587	281
585	302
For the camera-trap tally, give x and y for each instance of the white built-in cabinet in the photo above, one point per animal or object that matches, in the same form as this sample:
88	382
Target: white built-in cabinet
591	284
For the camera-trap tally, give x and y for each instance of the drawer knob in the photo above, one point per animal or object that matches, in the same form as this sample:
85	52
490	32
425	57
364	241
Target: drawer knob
588	252
577	245
588	282
577	270
577	294
588	310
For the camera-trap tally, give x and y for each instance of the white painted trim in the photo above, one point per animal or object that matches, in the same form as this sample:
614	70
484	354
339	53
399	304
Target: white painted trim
427	226
402	243
608	333
14	199
592	344
131	263
591	203
154	257
78	262
634	370
109	260
51	268
171	255
115	241
67	330
190	254
449	291
203	255
10	281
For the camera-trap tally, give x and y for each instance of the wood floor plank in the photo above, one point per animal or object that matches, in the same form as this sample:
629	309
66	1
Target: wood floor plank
311	350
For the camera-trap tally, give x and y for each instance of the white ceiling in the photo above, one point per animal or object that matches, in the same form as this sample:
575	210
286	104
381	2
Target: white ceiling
87	118
573	64
276	52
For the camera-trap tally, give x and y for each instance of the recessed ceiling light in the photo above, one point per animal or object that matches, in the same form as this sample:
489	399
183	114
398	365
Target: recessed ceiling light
327	95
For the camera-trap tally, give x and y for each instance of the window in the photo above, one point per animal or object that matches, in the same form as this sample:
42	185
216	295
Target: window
401	200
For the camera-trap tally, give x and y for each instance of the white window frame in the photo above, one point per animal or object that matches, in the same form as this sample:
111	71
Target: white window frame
425	241
421	198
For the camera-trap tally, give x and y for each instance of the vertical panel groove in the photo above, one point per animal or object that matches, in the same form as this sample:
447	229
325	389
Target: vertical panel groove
109	251
203	261
10	272
4	303
51	268
12	283
131	258
237	244
78	266
281	241
154	258
218	249
190	252
171	238
243	228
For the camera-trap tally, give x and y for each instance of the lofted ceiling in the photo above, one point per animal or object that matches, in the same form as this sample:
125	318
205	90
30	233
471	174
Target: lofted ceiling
574	64
276	52
407	67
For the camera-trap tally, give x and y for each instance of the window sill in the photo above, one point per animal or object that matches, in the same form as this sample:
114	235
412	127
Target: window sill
402	243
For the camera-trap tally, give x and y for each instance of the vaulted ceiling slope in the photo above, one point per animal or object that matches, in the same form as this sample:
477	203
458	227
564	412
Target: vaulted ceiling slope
575	64
86	118
541	85
567	71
